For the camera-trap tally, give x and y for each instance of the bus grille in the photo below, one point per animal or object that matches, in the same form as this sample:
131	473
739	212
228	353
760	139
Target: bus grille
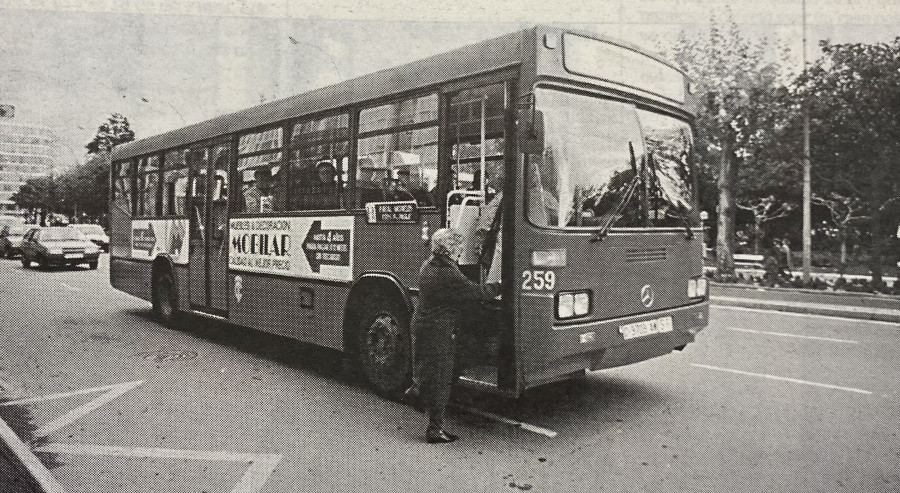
645	255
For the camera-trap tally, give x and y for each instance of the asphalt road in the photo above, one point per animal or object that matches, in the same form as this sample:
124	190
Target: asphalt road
112	401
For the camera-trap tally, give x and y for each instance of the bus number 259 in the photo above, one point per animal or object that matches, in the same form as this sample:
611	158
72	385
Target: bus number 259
538	279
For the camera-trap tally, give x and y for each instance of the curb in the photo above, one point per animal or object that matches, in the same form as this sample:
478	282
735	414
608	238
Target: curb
17	460
858	313
839	294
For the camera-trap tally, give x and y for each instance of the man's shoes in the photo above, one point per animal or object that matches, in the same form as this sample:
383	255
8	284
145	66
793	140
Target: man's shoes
440	436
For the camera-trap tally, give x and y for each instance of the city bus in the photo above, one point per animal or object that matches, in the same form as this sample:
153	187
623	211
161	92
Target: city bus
562	157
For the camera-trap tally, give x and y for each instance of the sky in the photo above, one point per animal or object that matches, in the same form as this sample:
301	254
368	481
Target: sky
164	64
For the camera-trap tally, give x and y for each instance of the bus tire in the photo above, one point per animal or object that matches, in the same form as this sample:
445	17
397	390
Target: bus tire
165	299
25	262
384	345
92	265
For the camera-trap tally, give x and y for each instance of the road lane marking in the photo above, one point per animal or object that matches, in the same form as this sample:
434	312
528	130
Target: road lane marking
518	424
111	392
783	379
782	334
36	469
892	325
70	288
261	466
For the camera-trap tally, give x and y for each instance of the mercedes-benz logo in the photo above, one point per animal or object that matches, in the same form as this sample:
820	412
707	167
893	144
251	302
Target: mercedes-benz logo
647	296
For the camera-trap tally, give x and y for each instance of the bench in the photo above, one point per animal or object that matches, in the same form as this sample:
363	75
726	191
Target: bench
748	260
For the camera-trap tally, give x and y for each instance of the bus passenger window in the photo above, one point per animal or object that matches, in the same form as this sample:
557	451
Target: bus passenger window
259	176
174	183
319	161
148	186
122	186
400	166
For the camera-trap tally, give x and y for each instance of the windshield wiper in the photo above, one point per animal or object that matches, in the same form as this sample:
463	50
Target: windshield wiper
603	231
688	234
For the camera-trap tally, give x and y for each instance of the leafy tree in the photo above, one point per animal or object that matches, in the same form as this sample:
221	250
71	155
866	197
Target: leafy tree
738	90
847	212
114	131
38	196
854	94
84	188
764	210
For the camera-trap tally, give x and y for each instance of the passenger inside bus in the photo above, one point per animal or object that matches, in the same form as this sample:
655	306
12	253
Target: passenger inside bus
258	197
326	175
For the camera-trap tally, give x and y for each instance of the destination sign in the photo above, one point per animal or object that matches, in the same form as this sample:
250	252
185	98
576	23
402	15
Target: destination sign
402	212
603	60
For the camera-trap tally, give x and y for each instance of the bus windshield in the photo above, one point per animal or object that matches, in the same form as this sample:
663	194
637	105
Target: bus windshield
607	162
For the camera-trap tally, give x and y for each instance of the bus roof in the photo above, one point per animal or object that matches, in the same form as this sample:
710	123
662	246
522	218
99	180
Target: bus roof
491	54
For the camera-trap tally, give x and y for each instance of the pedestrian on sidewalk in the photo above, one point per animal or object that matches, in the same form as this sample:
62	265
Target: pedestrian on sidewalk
773	266
789	259
443	289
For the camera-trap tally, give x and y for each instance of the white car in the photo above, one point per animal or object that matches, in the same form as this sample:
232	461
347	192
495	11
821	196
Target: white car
95	233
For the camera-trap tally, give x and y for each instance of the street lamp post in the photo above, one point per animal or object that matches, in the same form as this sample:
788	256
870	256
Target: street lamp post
704	216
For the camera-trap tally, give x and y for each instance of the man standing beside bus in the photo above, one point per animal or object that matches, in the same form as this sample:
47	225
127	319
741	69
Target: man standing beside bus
442	290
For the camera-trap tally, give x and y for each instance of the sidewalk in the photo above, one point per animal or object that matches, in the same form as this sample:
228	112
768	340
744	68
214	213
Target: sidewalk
847	305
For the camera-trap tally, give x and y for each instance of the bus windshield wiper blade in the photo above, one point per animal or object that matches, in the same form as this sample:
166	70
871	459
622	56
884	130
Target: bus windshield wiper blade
688	234
604	230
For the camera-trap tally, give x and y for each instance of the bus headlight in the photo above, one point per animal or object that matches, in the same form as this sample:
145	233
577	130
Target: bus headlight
573	304
548	258
702	286
697	287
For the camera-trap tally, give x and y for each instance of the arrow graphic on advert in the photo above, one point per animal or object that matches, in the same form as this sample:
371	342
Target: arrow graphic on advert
326	246
144	239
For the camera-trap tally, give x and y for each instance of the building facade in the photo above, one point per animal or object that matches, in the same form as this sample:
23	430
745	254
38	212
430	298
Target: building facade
26	152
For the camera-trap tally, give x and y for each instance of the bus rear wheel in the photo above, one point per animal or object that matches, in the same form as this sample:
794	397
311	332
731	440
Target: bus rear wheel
165	303
384	346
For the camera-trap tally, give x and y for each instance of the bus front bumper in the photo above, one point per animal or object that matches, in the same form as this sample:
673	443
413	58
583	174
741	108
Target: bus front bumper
597	345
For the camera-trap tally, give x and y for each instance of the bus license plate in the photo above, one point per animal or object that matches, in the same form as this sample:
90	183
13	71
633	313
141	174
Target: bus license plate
73	255
646	328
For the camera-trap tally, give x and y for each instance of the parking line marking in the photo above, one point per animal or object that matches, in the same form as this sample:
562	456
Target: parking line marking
261	466
782	334
36	469
892	325
70	288
783	379
112	392
518	424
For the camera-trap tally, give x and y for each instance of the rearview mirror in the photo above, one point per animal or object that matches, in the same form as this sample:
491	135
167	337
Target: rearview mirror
530	130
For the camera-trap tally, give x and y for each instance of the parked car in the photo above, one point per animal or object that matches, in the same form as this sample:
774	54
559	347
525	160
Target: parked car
95	233
11	239
58	246
5	219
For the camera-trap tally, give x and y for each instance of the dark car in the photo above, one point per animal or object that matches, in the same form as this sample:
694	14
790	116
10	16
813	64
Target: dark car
11	239
95	233
58	246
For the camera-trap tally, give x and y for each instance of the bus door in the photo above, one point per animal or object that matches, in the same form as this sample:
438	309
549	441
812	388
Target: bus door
475	137
208	247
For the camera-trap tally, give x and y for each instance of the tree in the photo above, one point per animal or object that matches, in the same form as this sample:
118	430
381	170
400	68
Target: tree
737	87
38	196
854	94
847	212
764	210
114	131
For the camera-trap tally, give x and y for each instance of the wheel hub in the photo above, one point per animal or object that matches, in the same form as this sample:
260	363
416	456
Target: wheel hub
383	336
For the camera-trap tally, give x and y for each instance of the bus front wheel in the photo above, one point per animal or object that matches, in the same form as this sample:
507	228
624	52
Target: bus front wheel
383	345
164	300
